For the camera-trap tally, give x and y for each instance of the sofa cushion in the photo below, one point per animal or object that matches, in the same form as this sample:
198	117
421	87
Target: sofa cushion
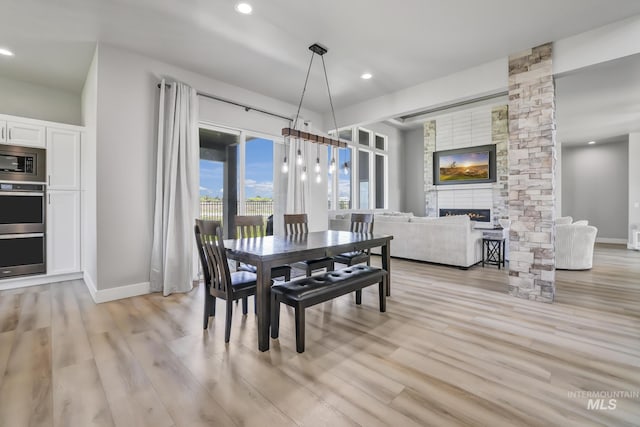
581	222
563	220
390	218
422	219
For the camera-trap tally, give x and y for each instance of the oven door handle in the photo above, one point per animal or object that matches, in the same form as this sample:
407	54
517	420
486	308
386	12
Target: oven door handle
20	236
22	193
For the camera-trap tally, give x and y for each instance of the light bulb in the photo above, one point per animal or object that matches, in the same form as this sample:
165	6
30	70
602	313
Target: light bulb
299	157
317	168
303	175
332	166
285	166
346	169
318	179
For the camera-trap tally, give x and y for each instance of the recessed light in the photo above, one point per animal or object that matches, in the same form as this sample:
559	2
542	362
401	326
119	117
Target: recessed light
591	142
366	76
5	52
244	8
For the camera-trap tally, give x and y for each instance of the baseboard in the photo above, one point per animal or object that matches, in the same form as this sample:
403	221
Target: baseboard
91	287
43	279
112	294
611	240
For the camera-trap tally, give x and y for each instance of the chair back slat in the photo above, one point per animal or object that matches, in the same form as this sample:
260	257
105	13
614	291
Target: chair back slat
361	223
213	256
249	226
295	224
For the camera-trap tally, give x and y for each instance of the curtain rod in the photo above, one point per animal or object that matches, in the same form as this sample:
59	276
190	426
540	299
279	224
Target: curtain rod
237	104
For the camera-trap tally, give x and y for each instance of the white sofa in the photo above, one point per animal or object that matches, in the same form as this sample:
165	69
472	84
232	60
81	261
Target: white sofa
446	240
574	245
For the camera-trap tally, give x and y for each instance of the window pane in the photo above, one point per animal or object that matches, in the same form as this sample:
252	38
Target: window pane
380	142
346	134
211	187
330	173
380	175
363	137
258	182
344	169
364	183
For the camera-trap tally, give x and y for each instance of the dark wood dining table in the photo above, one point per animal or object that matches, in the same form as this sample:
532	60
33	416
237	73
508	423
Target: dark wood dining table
271	251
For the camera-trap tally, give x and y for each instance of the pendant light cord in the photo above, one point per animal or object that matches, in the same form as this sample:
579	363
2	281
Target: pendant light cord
304	89
333	112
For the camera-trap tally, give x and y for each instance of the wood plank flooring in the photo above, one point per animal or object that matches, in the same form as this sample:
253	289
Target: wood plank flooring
452	349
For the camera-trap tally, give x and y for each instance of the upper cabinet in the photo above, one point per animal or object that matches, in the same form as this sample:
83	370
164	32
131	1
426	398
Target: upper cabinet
27	134
63	159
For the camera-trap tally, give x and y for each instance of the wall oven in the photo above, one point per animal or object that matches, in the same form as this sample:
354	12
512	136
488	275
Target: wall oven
22	163
22	229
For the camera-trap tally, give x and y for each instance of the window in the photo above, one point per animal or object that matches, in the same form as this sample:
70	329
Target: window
364	137
363	183
258	177
380	174
344	170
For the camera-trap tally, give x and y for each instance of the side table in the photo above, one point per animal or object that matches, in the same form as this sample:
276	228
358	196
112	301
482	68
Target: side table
494	248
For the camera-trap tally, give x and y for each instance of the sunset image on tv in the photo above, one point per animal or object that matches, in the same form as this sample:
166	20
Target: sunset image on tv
465	166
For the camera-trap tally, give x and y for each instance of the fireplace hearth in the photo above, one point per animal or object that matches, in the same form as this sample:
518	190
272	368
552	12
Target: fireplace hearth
480	215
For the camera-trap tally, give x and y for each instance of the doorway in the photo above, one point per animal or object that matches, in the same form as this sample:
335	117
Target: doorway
219	176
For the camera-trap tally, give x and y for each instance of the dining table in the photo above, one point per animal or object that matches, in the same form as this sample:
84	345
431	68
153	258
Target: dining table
271	251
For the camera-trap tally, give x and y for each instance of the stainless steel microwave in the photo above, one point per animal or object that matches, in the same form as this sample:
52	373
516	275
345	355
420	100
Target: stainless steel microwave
22	163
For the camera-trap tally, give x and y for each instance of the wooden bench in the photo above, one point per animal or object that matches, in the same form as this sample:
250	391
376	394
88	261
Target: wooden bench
307	291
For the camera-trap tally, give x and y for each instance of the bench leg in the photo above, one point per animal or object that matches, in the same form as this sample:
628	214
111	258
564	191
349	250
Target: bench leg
382	292
275	316
299	328
359	296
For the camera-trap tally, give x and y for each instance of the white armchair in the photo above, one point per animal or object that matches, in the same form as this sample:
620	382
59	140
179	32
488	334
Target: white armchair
574	246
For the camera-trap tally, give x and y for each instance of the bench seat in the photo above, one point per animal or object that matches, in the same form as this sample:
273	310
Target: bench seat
307	291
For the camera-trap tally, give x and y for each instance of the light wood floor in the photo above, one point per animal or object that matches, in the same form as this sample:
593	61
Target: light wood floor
447	352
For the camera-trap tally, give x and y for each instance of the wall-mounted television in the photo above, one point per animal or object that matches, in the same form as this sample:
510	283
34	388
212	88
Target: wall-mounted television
471	165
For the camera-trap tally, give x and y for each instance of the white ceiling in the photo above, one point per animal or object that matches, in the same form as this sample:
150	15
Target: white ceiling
402	43
599	103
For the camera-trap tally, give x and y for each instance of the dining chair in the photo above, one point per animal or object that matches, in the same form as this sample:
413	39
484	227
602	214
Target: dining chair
297	224
219	282
360	223
253	226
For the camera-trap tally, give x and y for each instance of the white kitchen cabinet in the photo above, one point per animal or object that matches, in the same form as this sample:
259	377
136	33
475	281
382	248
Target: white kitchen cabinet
63	159
26	134
3	131
63	232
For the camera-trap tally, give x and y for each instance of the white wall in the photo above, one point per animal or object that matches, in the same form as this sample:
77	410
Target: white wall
126	132
39	102
413	172
634	178
89	245
595	187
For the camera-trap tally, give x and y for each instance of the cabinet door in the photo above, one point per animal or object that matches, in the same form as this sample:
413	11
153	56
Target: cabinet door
63	159
63	232
25	134
3	131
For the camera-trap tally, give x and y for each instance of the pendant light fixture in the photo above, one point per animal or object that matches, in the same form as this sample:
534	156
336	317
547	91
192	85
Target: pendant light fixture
301	136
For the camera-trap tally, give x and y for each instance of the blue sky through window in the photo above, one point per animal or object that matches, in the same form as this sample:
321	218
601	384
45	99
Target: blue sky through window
258	171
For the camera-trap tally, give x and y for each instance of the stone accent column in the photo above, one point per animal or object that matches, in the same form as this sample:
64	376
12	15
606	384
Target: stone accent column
532	145
500	137
430	193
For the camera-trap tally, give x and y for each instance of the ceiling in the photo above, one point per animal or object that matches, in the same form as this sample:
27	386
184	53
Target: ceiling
267	51
599	103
